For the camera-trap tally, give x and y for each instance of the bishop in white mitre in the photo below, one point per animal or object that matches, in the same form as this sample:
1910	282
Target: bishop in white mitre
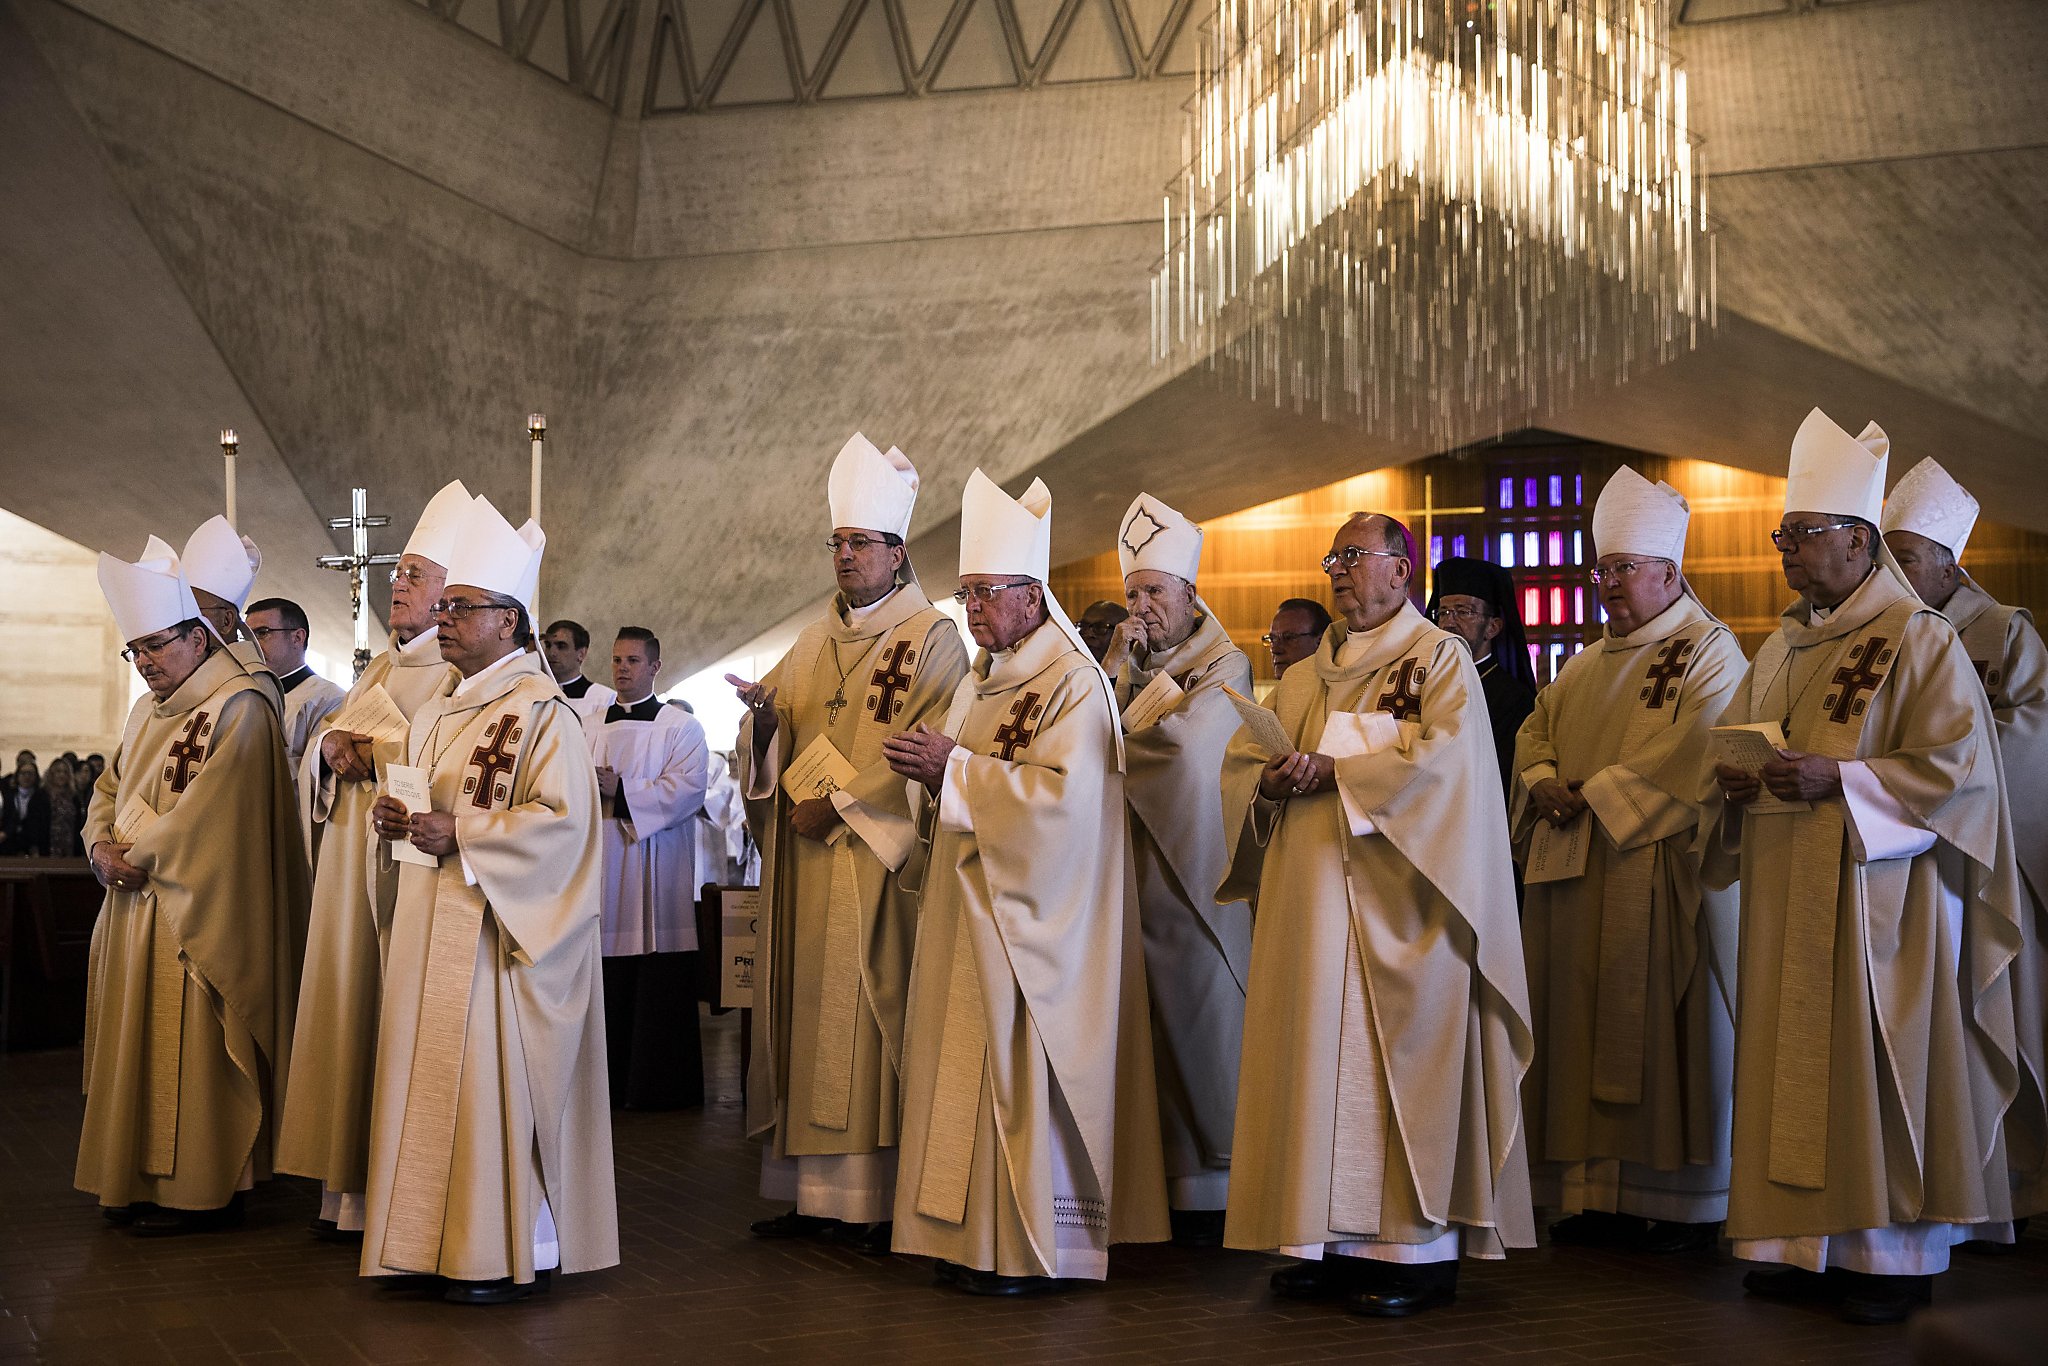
1379	1122
1175	669
651	771
196	952
1927	521
836	925
490	1133
326	1133
1030	1110
1875	1052
1631	959
221	566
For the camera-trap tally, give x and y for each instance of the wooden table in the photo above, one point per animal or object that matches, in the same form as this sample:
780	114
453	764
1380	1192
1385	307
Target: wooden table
47	910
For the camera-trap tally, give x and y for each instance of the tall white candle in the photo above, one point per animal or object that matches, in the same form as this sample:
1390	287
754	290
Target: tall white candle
536	431
228	444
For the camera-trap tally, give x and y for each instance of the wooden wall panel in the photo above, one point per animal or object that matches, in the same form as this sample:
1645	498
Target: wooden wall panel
1253	559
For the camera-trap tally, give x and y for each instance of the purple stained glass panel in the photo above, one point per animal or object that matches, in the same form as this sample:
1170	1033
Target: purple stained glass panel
1507	493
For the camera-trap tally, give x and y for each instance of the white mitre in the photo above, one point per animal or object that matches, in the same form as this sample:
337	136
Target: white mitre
490	555
1004	535
870	491
1931	503
221	562
1636	517
1835	472
1154	536
433	537
145	597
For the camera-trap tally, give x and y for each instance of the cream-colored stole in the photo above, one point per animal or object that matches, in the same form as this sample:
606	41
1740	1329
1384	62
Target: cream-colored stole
1830	722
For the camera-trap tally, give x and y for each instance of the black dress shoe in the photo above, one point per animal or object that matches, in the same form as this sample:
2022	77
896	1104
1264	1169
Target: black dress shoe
1323	1280
946	1273
1667	1236
871	1240
1598	1228
1197	1227
411	1281
121	1216
1884	1299
994	1283
1794	1284
791	1225
505	1290
1406	1289
174	1223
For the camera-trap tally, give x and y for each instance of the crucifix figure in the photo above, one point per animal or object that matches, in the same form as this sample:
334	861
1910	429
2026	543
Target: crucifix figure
357	524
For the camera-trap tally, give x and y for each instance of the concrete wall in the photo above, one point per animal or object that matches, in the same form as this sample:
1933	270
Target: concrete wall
373	242
63	684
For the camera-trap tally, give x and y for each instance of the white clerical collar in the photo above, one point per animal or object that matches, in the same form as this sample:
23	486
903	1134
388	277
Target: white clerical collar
623	702
426	642
470	686
855	616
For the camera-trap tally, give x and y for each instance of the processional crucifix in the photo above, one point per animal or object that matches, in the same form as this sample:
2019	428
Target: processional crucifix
359	524
355	563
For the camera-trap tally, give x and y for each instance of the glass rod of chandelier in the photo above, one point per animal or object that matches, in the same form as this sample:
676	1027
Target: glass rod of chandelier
1435	218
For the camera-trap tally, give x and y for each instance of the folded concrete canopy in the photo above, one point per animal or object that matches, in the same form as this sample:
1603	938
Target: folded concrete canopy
372	235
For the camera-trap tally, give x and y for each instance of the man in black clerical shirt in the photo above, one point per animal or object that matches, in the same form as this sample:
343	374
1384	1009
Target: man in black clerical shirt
1475	600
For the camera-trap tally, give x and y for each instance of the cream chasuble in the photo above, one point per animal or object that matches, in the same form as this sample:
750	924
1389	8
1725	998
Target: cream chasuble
193	978
1875	1054
491	1105
248	657
1030	1114
1197	952
1387	1017
326	1133
2006	650
836	931
1632	964
650	885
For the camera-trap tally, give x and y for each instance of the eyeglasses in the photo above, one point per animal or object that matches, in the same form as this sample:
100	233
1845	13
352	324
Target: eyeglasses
261	631
1275	637
1620	569
985	593
1792	537
410	573
1350	555
153	648
456	611
856	543
1461	613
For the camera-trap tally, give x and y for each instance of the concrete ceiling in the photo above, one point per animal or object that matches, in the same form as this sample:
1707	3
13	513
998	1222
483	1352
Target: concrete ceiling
372	241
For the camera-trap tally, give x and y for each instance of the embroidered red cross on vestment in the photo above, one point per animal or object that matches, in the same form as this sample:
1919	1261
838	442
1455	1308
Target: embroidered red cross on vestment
1868	658
188	752
1660	680
1013	735
1990	675
493	762
1403	698
891	680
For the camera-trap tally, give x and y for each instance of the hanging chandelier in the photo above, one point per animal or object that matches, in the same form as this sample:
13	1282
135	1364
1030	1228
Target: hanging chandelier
1434	218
